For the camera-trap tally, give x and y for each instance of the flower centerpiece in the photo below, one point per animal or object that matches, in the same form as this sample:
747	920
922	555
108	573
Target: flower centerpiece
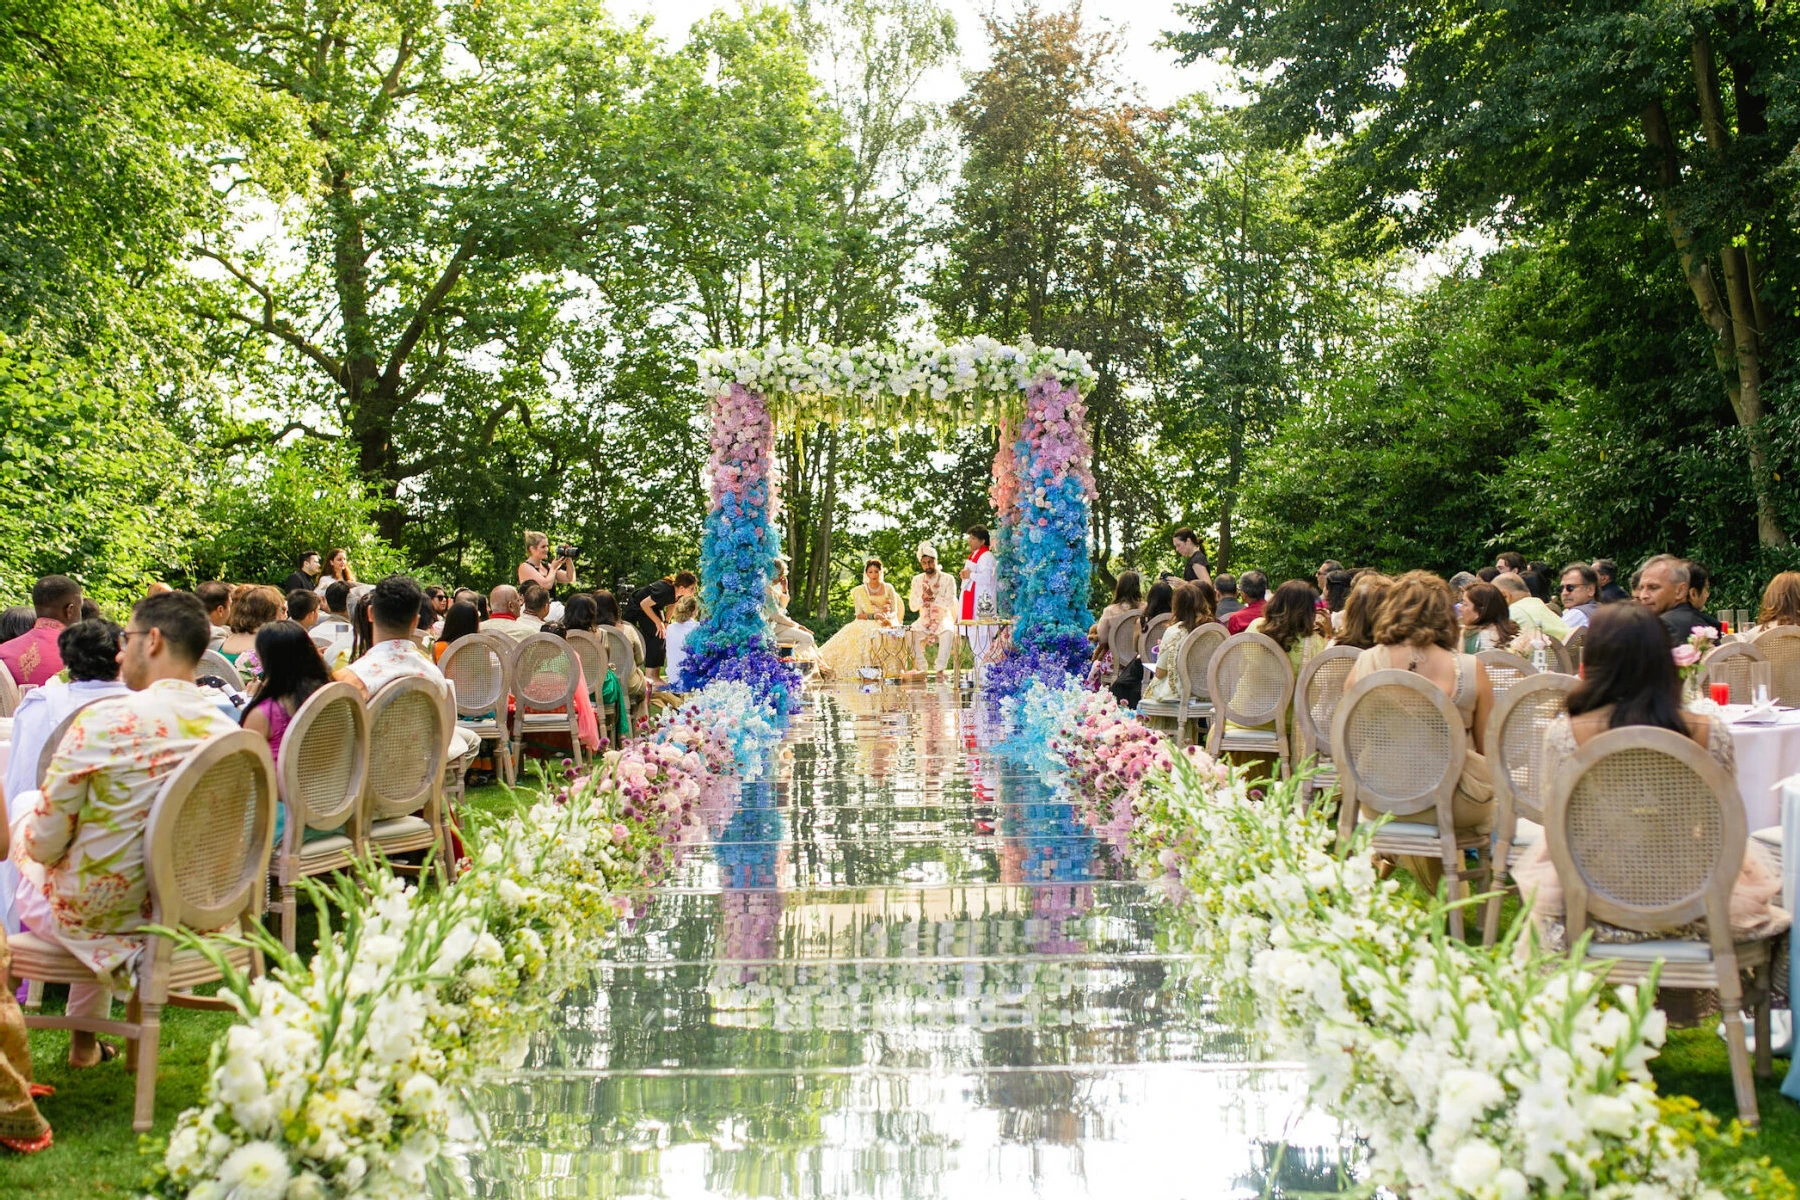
1690	658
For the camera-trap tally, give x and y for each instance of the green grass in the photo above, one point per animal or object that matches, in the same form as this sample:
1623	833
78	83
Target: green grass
1694	1063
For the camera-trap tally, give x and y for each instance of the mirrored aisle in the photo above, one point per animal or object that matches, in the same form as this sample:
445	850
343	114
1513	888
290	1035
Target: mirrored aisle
902	968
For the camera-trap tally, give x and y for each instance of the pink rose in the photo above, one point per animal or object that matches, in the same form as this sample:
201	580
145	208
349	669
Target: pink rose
1685	656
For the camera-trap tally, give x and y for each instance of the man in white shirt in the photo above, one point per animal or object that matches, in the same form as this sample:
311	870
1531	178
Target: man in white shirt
394	613
980	592
1580	594
534	603
933	596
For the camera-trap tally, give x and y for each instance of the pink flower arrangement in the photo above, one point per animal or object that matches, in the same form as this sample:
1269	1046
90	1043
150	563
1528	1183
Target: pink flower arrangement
1701	639
1111	756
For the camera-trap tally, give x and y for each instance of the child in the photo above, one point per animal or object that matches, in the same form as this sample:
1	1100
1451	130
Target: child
685	616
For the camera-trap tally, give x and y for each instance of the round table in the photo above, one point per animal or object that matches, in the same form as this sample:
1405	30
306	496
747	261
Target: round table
1766	755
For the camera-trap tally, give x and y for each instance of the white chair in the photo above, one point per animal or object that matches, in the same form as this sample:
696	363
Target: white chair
1400	749
592	653
623	661
1780	645
1562	661
402	810
1123	640
206	853
1317	693
1194	703
1251	683
479	665
214	663
1504	668
1515	752
9	693
321	777
545	674
1647	833
1729	664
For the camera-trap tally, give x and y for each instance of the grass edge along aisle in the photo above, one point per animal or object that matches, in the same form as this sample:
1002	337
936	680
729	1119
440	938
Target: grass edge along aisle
343	1075
1493	1074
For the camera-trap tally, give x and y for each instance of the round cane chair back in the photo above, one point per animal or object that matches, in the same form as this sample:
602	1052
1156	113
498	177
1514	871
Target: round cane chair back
1250	680
1317	694
1124	641
1515	741
1504	668
1577	641
214	663
1399	743
1730	664
592	654
1561	660
1780	645
9	693
477	664
209	833
619	655
545	670
408	730
1197	652
324	761
1646	831
1152	637
51	743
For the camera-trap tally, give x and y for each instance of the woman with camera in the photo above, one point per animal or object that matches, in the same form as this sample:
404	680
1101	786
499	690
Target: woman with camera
546	575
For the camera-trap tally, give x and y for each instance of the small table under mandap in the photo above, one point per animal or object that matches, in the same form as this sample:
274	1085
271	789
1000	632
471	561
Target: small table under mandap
962	634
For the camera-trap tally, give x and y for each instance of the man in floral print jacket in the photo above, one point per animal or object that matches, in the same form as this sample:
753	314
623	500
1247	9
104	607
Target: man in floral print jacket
82	846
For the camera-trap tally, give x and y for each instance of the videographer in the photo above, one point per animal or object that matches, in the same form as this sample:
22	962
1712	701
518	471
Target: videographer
534	569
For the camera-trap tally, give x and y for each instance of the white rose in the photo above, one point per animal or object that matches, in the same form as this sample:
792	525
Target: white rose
1510	1184
1475	1165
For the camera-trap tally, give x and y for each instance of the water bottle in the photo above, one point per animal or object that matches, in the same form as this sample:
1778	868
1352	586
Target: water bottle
1540	659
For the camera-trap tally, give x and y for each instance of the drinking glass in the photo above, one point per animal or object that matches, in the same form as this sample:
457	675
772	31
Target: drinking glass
1762	682
1744	618
1721	692
1725	621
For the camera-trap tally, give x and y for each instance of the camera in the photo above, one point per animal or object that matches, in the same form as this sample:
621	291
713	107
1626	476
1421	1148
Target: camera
567	551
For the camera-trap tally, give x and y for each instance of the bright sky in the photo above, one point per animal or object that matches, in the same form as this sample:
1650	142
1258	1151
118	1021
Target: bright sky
1142	22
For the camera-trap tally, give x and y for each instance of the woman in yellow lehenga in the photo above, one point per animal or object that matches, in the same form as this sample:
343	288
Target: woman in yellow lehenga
869	640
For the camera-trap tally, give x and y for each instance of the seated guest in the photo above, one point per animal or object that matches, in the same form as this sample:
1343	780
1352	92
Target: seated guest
1662	588
504	605
1160	602
1486	620
1253	586
1488	574
216	597
362	627
1322	577
1537	585
1127	601
90	655
1192	610
459	622
1360	609
1780	604
1416	631
392	610
1293	620
534	609
638	686
23	1129
334	635
428	616
90	610
303	608
1529	612
337	606
31	657
1629	679
1228	598
439	600
251	609
684	618
1699	586
790	635
1460	582
16	622
306	575
291	671
1580	594
1607	572
1509	562
587	722
1337	594
82	839
473	597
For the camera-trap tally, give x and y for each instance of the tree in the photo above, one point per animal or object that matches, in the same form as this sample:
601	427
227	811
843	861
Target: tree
1540	112
1270	303
1056	231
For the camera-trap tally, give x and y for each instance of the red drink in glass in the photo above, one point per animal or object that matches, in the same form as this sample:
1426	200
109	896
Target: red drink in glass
1721	693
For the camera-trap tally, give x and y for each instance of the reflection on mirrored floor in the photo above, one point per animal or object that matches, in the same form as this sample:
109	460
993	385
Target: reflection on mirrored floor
902	967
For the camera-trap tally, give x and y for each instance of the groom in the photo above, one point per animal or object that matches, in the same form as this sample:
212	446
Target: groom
934	598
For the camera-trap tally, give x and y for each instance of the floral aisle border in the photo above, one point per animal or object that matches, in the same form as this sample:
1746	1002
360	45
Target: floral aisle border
343	1075
1042	484
1491	1074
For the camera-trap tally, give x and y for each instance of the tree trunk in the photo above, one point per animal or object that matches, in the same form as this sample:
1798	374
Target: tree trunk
821	572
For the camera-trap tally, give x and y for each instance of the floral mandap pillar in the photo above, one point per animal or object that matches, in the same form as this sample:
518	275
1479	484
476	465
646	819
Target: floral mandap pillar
737	557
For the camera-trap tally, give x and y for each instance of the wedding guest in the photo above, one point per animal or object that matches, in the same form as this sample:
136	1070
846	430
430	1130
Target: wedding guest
1361	608
1527	611
1127	601
1580	589
31	657
1607	572
1780	602
790	635
306	574
83	839
1486	619
337	566
16	622
1191	611
1509	562
504	605
216	596
462	620
1662	588
637	688
303	608
534	609
1629	679
251	609
1228	598
291	671
23	1129
684	618
392	612
1253	586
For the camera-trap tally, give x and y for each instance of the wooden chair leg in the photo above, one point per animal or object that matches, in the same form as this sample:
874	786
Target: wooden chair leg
290	909
149	1043
34	994
1490	918
1731	1001
1760	1003
1453	889
134	1015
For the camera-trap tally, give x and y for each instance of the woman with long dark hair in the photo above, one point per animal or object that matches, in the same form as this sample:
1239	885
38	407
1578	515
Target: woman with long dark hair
1487	623
291	671
1160	600
462	620
606	607
1292	618
1361	608
1629	679
362	623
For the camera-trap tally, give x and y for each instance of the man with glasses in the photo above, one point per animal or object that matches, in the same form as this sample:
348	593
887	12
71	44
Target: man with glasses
83	835
1580	594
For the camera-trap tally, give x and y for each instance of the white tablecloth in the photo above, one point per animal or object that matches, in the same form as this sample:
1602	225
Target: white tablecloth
1766	755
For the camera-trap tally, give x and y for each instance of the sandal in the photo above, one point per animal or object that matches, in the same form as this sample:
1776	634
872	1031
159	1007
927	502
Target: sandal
108	1052
41	1090
29	1145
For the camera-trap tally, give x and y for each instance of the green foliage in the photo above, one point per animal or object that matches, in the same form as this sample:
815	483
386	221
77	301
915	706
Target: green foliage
281	504
98	487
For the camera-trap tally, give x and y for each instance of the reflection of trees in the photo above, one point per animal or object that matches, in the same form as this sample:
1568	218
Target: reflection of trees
1283	1171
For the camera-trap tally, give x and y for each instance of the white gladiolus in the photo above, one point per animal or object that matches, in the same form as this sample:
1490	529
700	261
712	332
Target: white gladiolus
258	1171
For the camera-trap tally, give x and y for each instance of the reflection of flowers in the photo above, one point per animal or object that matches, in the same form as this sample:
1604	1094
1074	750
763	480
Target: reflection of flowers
737	553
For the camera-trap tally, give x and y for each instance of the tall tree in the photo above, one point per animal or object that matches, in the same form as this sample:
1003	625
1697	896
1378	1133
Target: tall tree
1514	114
1057	226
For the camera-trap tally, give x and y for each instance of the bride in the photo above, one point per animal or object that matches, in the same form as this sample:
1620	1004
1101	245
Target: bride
867	640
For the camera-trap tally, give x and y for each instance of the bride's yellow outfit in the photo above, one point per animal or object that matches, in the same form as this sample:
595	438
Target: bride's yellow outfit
863	642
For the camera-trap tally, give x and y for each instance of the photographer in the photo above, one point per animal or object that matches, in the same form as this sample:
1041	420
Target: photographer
535	570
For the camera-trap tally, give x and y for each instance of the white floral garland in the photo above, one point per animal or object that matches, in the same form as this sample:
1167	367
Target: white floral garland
922	380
